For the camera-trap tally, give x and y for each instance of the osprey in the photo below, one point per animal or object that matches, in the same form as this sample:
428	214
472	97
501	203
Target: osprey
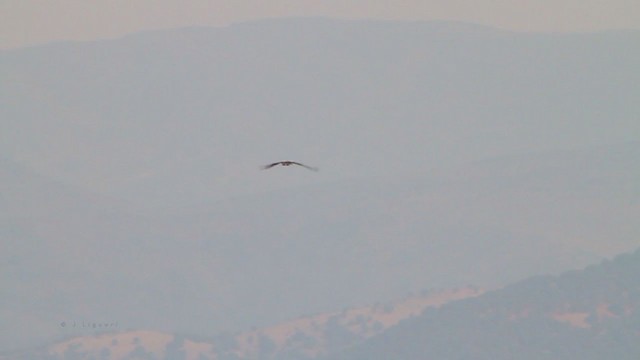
288	163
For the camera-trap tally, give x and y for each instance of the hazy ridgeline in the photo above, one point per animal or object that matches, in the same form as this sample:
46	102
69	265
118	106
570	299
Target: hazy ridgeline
449	154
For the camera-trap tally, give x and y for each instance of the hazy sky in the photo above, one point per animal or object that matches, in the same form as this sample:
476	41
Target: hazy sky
26	22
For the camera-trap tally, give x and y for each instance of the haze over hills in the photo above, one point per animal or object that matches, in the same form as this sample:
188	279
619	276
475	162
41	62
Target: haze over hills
590	314
160	117
304	337
449	155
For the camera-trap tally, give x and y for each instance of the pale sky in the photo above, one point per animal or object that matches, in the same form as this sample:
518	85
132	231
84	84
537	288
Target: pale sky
29	22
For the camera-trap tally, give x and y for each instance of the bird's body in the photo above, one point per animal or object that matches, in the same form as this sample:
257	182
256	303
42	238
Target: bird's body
288	163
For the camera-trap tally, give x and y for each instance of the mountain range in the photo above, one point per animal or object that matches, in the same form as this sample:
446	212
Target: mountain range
449	154
588	314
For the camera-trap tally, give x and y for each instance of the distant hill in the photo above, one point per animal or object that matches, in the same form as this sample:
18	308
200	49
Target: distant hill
303	338
588	314
449	154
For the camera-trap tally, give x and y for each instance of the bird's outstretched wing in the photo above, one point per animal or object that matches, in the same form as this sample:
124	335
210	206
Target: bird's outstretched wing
270	165
305	166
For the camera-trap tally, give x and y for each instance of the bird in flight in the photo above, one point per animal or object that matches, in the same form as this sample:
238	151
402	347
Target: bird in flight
288	163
